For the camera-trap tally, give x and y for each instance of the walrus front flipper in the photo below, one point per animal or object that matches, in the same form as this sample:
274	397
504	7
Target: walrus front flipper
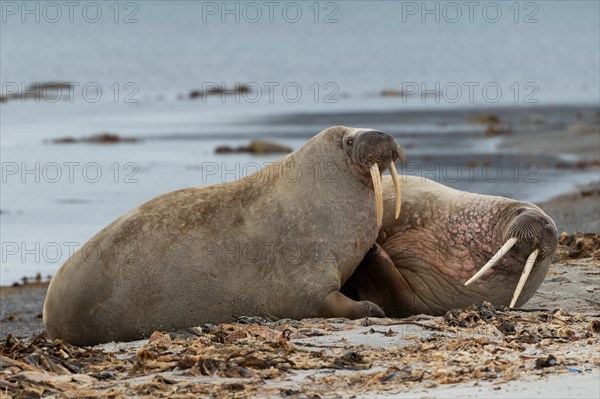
378	280
337	304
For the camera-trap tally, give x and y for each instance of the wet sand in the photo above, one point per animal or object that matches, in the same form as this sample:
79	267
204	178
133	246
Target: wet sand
21	310
580	139
578	211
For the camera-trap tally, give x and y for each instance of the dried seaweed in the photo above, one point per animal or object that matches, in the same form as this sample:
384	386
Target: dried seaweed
259	357
579	245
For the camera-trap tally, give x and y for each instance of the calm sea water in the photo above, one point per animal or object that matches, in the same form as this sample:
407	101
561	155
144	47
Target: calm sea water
128	74
360	47
130	62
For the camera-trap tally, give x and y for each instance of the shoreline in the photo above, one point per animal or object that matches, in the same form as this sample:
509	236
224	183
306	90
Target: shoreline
576	211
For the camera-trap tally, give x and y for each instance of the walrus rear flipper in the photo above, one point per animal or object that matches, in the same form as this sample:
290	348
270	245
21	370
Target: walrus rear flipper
337	304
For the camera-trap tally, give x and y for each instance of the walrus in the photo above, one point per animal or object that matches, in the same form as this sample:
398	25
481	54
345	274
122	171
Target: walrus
430	259
278	243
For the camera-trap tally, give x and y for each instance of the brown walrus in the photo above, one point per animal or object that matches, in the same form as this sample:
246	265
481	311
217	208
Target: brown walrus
279	243
422	260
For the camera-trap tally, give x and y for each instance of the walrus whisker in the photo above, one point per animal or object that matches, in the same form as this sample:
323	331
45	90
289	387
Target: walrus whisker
501	252
526	270
376	177
396	181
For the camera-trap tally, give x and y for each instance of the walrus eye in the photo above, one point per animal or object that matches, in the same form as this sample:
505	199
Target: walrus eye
520	211
350	141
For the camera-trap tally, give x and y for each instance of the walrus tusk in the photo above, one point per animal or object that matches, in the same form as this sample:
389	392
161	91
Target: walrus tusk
501	252
396	181
524	276
376	177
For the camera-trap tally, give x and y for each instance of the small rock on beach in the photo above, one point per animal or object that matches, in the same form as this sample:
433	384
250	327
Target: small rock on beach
255	147
101	138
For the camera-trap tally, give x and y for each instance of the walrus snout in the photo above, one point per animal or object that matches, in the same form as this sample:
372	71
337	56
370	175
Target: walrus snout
374	151
533	230
531	233
373	146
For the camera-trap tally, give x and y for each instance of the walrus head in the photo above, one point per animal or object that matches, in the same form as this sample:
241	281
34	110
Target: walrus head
443	238
533	235
370	152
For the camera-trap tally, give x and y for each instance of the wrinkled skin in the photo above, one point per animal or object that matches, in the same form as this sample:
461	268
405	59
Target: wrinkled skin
442	238
279	243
